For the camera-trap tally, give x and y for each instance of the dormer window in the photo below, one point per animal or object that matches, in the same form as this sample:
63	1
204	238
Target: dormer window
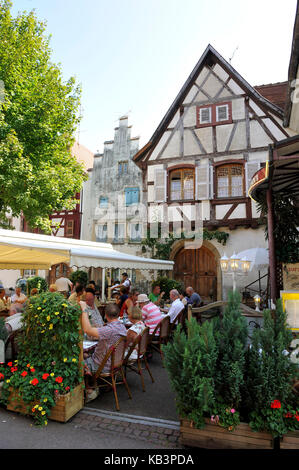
214	114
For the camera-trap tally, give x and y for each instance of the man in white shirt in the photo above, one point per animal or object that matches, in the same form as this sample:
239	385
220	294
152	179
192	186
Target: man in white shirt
17	301
177	305
63	284
124	282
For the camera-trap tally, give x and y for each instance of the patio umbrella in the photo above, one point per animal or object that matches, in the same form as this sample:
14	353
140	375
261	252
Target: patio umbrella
259	257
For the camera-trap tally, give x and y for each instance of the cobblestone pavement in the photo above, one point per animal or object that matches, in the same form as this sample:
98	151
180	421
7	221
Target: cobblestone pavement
165	437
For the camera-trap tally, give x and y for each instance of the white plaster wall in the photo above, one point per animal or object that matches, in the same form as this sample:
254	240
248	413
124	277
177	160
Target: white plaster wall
256	108
151	171
238	109
202	76
192	93
220	72
212	86
274	129
239	212
223	134
173	147
150	193
258	156
160	145
221	210
239	139
235	87
175	119
190	116
258	136
206	137
191	146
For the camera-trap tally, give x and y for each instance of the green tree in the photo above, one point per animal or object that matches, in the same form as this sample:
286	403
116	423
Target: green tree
38	118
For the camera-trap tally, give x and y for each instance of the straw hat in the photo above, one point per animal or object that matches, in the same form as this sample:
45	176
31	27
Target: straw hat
142	298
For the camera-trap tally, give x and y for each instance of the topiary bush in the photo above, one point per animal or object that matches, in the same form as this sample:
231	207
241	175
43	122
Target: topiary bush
167	285
38	283
80	276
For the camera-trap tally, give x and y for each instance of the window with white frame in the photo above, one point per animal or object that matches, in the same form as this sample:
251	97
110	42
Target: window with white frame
119	233
102	233
136	232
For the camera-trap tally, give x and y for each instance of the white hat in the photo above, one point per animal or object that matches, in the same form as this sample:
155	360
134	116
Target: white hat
142	298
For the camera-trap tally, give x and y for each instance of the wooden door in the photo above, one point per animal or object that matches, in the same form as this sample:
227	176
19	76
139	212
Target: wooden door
197	268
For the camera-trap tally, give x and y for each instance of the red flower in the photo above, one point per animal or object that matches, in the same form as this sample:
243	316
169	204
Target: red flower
32	370
67	388
45	376
9	364
59	380
297	417
276	404
13	369
28	365
34	381
288	415
1	376
23	374
56	391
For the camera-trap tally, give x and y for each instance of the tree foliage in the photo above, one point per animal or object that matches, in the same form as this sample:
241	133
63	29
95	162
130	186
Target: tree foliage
38	118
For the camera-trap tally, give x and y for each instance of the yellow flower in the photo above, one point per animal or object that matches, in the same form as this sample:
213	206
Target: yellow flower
44	301
36	406
39	308
7	381
43	331
48	318
51	326
40	408
45	400
56	313
46	422
65	359
64	305
52	374
74	360
43	413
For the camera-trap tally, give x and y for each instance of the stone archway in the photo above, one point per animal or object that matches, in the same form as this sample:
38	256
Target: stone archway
199	268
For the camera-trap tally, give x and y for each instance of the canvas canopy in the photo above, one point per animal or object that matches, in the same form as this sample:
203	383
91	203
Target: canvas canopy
22	250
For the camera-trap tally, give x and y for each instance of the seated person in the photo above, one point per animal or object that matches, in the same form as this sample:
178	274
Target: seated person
107	336
90	308
33	292
3	305
193	298
135	317
124	282
129	303
176	307
18	301
77	296
151	313
123	291
156	295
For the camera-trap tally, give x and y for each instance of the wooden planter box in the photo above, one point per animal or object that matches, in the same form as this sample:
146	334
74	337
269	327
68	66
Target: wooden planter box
290	440
216	437
66	406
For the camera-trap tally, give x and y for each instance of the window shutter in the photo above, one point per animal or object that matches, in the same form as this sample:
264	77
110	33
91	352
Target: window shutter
205	115
250	169
203	182
211	168
160	185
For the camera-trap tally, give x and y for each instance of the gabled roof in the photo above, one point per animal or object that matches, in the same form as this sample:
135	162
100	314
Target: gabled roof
274	92
209	57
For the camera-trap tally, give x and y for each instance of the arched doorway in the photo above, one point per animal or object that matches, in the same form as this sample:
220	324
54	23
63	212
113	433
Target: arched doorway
198	268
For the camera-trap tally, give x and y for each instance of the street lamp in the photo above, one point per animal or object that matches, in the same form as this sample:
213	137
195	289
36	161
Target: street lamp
257	301
234	265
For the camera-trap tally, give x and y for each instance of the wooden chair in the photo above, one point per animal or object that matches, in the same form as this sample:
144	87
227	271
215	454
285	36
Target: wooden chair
156	340
141	343
179	320
116	354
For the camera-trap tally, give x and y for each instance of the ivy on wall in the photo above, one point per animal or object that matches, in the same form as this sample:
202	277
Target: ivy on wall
161	247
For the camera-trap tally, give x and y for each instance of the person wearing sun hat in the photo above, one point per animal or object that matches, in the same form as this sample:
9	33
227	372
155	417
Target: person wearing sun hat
151	313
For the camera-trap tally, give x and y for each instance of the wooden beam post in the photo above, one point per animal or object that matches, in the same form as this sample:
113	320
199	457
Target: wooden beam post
271	242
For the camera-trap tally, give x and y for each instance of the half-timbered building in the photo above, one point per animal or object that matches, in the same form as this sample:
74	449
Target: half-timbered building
213	138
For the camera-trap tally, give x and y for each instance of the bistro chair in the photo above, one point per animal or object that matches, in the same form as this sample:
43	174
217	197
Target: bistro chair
157	339
136	364
116	354
179	320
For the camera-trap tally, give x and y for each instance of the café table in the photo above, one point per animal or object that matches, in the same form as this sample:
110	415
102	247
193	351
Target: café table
89	346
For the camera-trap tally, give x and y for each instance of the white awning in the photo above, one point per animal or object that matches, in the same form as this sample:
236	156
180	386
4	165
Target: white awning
22	250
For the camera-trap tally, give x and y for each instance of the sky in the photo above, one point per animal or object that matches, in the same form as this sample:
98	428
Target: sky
133	56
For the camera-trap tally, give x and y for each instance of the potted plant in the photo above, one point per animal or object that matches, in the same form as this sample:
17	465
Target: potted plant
46	380
206	369
38	283
270	374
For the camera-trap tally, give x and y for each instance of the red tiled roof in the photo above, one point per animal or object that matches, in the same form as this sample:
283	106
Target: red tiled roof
274	92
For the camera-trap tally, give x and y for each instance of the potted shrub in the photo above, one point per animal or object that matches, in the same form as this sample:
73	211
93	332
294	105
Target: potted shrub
269	394
80	276
206	369
38	283
46	380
